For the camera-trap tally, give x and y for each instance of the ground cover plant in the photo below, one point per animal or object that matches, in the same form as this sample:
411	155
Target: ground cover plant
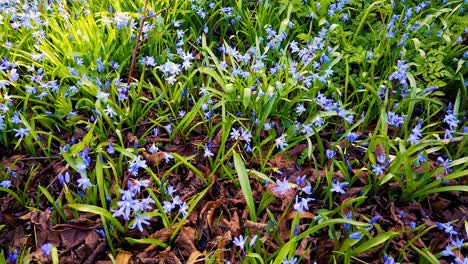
207	131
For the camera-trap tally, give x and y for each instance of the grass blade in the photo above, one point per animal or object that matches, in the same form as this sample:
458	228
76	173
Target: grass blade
245	185
100	211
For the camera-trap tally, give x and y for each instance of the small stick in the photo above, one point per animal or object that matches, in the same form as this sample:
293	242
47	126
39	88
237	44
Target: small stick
138	42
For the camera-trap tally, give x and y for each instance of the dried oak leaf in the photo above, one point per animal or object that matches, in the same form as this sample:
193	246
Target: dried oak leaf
208	211
10	160
42	223
185	241
166	257
123	257
154	159
78	232
255	227
221	245
194	257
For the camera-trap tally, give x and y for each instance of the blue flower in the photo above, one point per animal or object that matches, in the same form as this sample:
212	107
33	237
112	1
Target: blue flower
300	180
301	205
458	243
110	149
447	251
374	220
153	149
377	169
460	261
135	164
349	216
183	209
13	255
351	137
307	189
421	157
290	261
125	208
168	206
330	154
447	228
138	184
300	109
5	184
240	242
22	132
389	260
281	142
450	118
356	236
139	220
282	186
46	248
416	134
445	163
338	187
395	120
84	183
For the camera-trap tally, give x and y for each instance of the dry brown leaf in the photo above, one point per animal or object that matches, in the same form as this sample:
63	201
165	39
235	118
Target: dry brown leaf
167	257
221	245
280	162
123	257
255	227
194	257
154	159
209	209
185	241
379	151
97	253
234	224
131	139
10	160
304	215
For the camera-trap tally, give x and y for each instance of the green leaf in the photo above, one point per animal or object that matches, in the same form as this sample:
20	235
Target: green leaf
148	241
285	249
100	181
246	97
100	211
386	178
261	176
455	188
13	194
371	243
245	185
49	197
426	254
54	255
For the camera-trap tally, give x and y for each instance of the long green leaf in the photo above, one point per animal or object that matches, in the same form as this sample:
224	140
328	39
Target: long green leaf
58	208
375	241
100	211
149	241
455	188
285	249
426	254
245	185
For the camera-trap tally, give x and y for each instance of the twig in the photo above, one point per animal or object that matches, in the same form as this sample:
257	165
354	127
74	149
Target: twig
138	40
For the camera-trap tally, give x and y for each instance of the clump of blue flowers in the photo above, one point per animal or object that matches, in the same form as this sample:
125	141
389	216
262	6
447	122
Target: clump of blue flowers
129	205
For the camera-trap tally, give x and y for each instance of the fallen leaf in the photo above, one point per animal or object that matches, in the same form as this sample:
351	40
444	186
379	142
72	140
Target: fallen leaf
123	257
185	241
194	257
